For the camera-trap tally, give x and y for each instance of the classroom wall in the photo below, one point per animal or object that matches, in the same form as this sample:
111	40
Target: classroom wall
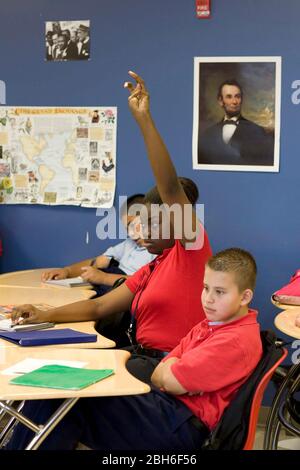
158	38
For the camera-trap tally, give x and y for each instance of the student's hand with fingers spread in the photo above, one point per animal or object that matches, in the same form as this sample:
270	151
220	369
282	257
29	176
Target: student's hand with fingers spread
24	314
55	274
139	97
90	274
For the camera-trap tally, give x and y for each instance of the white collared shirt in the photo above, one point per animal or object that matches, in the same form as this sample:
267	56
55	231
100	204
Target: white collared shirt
229	129
80	44
130	256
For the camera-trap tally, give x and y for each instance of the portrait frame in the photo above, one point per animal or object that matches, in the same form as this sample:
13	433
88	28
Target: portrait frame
260	81
75	45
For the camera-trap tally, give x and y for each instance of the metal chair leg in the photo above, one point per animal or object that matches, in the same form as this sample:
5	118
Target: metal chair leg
272	418
51	424
275	439
2	411
9	427
12	412
287	423
41	431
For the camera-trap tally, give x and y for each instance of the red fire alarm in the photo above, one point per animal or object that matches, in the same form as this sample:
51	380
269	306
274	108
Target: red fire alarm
203	9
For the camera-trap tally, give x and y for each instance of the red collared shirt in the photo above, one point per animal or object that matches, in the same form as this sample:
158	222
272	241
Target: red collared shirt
216	360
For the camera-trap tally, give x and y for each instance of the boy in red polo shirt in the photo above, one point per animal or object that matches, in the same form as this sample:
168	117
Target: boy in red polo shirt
210	364
192	385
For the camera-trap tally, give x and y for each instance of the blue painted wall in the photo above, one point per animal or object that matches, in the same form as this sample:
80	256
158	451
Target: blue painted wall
158	38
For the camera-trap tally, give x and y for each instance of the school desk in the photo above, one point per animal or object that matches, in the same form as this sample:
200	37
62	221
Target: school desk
32	278
284	306
54	298
121	383
285	322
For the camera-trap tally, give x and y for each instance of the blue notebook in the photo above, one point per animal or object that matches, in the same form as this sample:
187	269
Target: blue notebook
44	337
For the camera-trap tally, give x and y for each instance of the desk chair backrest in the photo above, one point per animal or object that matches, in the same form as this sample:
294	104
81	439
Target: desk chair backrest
236	429
257	400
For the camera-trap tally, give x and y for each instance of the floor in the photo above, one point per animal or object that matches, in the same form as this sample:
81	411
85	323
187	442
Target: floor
285	441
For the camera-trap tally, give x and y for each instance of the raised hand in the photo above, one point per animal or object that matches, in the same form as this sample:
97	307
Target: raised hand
138	99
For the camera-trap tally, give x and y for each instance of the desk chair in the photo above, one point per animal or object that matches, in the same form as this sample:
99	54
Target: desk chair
257	400
236	429
284	412
288	413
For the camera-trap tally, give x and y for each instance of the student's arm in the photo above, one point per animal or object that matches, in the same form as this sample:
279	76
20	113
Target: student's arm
169	187
101	262
73	270
115	301
163	377
219	361
99	277
96	276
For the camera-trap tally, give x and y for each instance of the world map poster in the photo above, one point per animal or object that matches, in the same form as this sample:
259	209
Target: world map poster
58	156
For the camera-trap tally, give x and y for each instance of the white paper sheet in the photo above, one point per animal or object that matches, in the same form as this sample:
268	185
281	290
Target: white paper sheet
29	364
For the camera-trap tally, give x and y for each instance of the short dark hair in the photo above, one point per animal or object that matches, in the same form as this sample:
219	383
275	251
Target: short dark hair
189	187
66	32
239	262
231	82
134	199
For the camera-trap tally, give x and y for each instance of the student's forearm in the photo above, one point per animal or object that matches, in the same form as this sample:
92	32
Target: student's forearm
158	373
102	262
163	378
109	279
117	300
161	163
74	270
79	311
85	310
169	187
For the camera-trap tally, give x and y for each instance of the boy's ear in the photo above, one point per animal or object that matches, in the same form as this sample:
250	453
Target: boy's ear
247	297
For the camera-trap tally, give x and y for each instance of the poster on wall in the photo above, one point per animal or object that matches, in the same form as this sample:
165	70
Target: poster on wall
2	92
58	156
237	113
67	40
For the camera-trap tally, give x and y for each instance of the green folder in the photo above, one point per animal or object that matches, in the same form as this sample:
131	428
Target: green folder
63	377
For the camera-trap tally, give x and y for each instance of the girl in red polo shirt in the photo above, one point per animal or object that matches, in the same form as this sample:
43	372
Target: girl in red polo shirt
164	295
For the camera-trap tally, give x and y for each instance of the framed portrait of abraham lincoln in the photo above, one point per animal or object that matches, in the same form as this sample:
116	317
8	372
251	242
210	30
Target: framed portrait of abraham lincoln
237	113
